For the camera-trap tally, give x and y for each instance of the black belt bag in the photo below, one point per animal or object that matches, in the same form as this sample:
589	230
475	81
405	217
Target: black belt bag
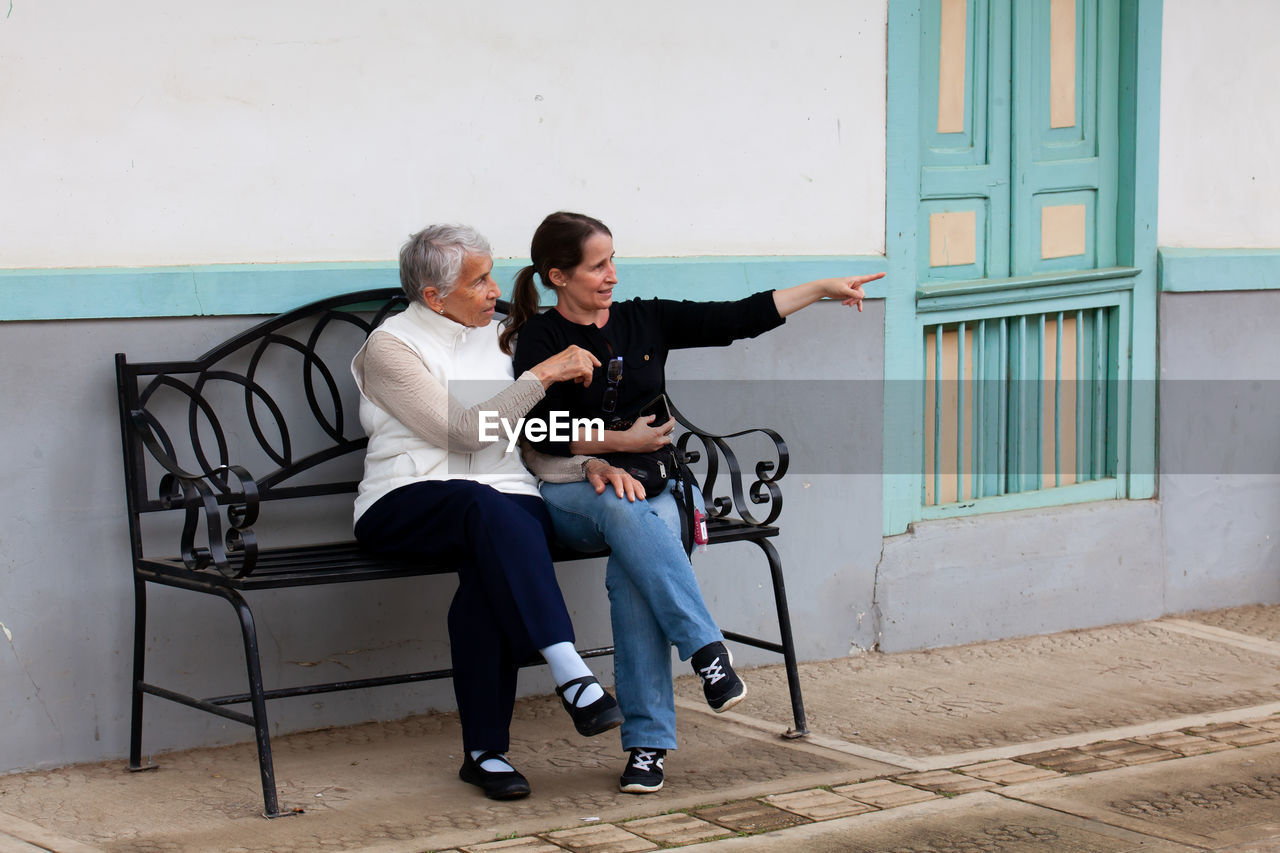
653	469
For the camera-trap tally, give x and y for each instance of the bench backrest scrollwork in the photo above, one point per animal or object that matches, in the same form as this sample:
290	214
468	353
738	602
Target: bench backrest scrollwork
270	414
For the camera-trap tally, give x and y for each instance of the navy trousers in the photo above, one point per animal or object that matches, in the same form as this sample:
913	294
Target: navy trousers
508	604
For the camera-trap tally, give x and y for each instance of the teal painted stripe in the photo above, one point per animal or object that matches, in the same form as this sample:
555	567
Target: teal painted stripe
228	289
1205	270
1094	490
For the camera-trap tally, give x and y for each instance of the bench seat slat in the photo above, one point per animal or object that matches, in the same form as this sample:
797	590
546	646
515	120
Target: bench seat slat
345	562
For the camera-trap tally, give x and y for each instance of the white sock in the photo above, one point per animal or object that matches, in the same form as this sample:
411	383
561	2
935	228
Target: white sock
493	765
566	665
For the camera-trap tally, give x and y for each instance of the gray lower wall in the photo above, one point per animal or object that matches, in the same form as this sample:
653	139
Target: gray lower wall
1012	574
1220	448
66	597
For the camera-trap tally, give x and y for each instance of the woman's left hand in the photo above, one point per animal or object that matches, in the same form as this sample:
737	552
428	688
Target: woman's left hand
848	290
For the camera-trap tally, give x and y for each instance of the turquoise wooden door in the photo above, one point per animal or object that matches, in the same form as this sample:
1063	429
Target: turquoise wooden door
1011	321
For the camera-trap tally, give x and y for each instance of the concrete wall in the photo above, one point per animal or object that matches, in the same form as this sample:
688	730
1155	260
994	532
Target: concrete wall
1218	173
157	133
67	602
1218	126
1011	574
151	134
1220	448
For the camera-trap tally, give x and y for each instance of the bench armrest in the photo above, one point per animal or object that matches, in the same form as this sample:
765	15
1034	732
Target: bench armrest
204	494
764	490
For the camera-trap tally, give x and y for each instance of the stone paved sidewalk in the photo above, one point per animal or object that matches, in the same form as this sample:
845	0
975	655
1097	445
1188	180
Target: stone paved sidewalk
1158	736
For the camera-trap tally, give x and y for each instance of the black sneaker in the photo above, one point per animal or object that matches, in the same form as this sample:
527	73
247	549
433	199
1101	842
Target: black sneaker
643	773
720	684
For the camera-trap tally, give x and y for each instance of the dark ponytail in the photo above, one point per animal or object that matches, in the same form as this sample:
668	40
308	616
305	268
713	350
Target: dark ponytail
557	244
524	304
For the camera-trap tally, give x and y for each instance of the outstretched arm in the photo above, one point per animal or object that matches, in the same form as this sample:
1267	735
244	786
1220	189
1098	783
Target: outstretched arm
847	290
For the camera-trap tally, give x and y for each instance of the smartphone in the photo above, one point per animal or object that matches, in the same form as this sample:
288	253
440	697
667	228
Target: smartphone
658	407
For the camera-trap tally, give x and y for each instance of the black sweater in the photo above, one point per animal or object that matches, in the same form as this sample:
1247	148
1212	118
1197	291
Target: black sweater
642	331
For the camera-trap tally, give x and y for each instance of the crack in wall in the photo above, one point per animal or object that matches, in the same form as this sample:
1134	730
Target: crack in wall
8	635
877	616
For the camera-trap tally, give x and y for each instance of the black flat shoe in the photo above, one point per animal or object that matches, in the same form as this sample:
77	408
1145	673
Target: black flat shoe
600	716
496	784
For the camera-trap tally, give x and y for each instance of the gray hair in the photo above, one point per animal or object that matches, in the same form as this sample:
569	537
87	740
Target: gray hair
433	258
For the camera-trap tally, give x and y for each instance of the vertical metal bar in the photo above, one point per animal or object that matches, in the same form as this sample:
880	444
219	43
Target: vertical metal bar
1081	399
979	398
788	640
924	413
1018	407
139	672
937	414
1039	477
1002	410
258	702
1057	408
1100	337
960	353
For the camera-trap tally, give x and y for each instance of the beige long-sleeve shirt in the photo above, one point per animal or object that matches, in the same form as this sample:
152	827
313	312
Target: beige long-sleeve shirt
396	380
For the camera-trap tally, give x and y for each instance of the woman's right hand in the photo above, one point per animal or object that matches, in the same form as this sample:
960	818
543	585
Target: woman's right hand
601	475
574	363
644	435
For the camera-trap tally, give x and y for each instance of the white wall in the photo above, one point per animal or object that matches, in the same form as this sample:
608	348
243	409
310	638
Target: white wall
146	132
1219	122
149	132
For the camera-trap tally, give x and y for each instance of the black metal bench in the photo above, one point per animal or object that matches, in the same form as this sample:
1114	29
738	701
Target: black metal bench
278	400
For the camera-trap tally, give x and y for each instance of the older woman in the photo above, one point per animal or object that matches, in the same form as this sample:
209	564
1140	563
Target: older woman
434	490
654	597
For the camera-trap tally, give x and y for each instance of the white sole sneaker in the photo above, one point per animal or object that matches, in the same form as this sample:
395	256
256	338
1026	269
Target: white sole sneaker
637	788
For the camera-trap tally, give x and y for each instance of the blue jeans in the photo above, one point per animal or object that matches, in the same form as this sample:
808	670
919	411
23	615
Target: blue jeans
654	600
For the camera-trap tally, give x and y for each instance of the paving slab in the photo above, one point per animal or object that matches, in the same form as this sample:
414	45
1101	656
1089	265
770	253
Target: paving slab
884	794
750	816
981	822
1069	761
393	787
1212	801
945	701
1127	752
605	838
1235	734
514	845
673	829
944	782
1006	772
817	804
1183	743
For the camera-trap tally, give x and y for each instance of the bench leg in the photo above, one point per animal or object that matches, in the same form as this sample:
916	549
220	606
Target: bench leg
259	703
788	641
139	670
